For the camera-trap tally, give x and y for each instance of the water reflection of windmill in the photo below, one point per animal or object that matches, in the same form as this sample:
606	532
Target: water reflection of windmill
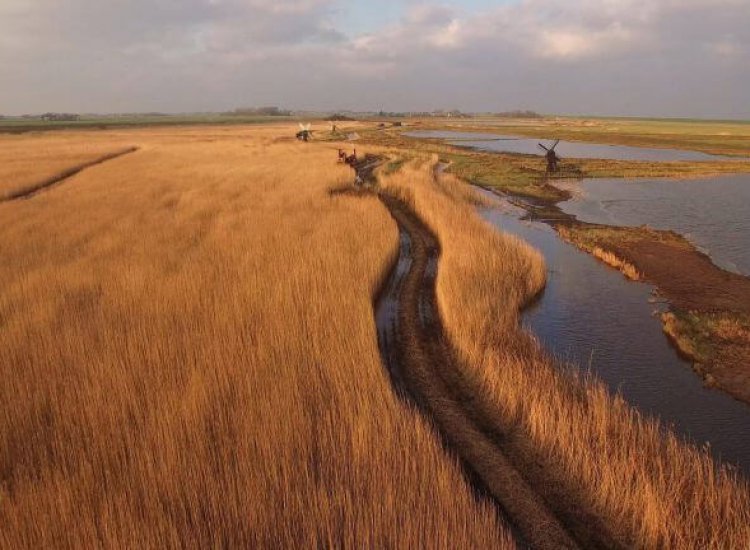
304	133
551	156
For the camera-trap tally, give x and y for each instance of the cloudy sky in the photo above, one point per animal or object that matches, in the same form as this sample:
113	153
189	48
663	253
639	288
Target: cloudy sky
619	57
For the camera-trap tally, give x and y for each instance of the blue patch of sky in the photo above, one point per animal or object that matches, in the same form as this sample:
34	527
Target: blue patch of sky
357	17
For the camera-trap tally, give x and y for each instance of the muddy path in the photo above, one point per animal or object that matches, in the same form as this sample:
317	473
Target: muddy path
424	368
44	185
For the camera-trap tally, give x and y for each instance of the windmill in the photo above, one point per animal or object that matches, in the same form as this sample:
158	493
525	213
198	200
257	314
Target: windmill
305	133
551	156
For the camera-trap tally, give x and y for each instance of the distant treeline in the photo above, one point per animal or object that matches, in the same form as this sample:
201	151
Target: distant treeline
339	118
260	111
518	114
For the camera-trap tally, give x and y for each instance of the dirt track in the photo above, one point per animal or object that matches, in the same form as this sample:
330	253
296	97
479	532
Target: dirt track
427	367
30	191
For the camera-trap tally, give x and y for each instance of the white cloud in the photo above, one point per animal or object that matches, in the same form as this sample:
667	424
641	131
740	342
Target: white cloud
203	54
580	43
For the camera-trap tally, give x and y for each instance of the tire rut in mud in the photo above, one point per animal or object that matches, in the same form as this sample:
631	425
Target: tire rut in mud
423	369
45	185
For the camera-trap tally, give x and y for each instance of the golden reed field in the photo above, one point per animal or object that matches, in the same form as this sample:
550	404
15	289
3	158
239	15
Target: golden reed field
188	357
27	163
581	445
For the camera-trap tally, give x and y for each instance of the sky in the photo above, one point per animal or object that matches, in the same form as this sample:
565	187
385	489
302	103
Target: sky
676	58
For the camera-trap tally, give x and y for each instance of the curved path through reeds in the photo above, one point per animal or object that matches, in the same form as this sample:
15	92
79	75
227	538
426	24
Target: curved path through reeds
31	190
423	366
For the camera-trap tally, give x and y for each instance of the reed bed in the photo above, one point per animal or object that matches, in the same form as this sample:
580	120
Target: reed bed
188	358
27	162
646	487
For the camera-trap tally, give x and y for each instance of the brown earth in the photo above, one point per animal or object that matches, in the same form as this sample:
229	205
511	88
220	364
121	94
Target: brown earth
697	285
543	511
732	367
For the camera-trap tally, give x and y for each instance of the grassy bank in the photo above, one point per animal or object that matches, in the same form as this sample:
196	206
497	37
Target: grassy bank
579	444
188	358
525	175
717	343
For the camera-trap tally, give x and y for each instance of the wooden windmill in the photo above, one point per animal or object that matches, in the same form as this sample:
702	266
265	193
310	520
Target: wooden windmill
551	156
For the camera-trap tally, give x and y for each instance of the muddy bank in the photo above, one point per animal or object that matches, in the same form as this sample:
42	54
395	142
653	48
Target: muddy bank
44	185
423	365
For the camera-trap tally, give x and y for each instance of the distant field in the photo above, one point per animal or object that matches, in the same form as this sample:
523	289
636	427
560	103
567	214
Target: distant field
526	174
20	125
717	137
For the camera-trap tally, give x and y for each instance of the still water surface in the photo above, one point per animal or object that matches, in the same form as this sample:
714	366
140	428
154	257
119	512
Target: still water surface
591	316
566	149
714	213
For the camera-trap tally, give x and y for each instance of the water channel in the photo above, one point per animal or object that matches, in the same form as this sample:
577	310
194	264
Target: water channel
566	149
711	212
592	317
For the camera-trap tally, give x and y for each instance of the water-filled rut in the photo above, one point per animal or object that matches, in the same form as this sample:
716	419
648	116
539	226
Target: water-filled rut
424	368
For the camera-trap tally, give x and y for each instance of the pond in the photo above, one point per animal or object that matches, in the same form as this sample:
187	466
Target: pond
710	212
565	149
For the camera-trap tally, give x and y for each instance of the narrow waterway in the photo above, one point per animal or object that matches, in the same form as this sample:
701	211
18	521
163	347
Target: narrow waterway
592	317
566	149
711	212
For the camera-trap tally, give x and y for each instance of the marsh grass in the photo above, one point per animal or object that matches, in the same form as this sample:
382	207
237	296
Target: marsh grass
28	161
526	176
649	489
188	358
606	256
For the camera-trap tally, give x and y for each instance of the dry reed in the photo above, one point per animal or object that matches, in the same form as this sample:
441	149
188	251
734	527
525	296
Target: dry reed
649	489
28	161
188	357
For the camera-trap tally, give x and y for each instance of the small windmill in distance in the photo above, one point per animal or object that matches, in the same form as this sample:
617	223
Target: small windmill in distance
551	156
305	133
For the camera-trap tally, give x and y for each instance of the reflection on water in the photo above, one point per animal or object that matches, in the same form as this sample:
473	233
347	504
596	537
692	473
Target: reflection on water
591	316
566	149
711	212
